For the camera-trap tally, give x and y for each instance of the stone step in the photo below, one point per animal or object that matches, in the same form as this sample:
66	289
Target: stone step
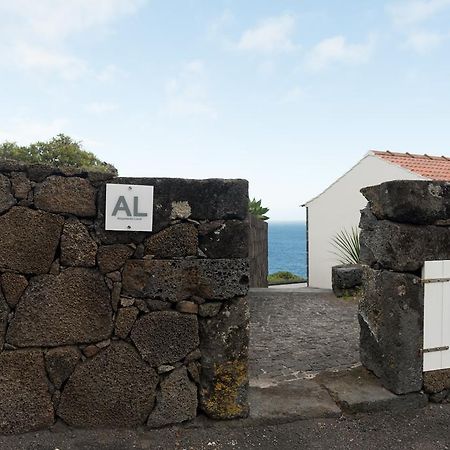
358	390
300	399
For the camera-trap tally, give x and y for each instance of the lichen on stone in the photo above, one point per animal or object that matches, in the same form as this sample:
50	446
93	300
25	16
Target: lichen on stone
226	398
180	210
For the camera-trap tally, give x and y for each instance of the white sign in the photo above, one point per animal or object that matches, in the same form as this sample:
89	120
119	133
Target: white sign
129	207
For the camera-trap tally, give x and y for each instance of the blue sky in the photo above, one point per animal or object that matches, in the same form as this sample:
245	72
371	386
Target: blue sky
287	94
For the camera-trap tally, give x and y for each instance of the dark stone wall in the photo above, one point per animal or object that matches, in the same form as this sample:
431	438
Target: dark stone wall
258	252
404	224
105	328
346	280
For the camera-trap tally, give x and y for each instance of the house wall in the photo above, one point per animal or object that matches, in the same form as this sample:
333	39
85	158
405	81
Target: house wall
338	208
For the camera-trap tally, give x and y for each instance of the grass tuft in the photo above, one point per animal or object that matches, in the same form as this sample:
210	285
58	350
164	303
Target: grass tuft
284	277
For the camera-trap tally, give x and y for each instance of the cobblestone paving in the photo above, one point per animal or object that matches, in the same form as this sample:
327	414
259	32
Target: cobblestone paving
297	334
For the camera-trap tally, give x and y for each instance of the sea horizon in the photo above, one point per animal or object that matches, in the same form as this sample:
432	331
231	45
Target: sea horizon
285	221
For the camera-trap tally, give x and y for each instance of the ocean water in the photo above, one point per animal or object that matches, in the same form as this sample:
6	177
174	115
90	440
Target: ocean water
287	247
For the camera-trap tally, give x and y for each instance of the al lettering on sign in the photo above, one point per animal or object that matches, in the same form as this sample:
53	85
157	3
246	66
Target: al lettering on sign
129	207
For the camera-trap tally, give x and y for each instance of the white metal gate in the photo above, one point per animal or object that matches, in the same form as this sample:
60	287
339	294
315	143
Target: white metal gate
436	330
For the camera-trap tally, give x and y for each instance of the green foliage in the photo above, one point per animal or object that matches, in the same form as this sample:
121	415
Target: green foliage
284	277
352	294
257	210
60	151
347	246
284	274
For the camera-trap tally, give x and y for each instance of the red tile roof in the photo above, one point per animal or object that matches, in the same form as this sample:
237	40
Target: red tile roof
433	167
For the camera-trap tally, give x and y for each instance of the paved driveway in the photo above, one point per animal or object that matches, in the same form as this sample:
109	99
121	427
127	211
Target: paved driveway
297	334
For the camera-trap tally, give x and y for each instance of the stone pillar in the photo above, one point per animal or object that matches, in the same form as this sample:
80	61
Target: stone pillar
404	224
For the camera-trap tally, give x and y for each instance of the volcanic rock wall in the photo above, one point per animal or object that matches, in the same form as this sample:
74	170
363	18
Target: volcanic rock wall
106	328
404	224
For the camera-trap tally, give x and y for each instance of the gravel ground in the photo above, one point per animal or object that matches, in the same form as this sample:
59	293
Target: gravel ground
423	429
296	334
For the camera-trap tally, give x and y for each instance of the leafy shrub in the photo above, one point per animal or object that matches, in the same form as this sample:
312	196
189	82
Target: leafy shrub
60	151
284	277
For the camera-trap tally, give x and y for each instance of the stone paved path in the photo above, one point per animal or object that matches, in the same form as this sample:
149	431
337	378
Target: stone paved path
297	334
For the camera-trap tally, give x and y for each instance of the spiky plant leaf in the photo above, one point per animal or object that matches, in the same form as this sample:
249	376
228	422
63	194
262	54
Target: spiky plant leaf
347	246
257	210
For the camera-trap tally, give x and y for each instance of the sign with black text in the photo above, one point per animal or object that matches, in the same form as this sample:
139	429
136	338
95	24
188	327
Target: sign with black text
129	207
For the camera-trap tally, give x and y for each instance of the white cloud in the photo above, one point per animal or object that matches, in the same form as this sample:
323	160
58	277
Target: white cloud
101	107
217	25
34	34
187	93
271	35
409	12
423	41
56	20
406	15
24	130
337	50
38	58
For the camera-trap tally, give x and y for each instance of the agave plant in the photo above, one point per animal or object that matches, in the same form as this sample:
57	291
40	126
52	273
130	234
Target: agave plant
257	210
347	247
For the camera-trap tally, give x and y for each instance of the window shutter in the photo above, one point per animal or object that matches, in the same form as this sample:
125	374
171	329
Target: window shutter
436	339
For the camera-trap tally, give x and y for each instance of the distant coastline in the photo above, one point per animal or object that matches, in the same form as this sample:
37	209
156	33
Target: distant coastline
287	247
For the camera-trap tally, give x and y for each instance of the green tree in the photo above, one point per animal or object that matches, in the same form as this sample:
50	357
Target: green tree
60	151
257	210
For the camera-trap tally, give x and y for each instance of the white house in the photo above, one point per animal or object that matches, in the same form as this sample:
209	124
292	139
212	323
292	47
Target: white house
338	207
